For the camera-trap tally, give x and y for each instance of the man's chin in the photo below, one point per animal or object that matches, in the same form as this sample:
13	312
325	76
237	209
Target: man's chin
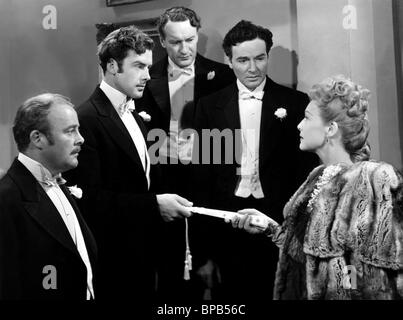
253	84
72	164
137	94
184	63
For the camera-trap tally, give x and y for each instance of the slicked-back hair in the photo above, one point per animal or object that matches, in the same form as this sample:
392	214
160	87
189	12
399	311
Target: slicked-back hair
246	31
32	115
176	14
118	43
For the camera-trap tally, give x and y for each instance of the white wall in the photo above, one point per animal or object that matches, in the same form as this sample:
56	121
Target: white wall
365	53
35	60
309	44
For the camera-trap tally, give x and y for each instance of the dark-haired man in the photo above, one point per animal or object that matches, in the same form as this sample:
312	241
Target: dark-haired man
267	165
47	251
115	173
177	82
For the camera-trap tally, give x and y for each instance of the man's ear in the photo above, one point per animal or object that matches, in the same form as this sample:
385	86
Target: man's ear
112	66
162	41
37	139
229	62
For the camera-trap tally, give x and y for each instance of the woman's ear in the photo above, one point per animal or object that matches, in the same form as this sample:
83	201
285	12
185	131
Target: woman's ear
332	129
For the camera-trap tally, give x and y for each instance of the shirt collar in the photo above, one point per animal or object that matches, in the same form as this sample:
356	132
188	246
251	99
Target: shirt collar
37	169
241	86
172	66
116	97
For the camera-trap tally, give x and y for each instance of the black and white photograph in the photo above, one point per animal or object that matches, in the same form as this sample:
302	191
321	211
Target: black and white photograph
206	159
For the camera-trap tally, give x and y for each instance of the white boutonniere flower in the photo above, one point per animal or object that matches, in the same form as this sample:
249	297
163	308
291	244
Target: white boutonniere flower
210	75
280	113
145	116
76	191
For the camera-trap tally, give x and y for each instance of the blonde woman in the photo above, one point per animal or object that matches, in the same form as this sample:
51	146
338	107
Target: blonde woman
342	237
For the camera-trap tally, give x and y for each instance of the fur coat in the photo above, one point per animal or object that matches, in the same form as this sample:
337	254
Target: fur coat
349	243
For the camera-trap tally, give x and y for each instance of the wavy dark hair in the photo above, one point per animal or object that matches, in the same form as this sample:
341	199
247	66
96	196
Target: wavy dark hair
245	31
118	43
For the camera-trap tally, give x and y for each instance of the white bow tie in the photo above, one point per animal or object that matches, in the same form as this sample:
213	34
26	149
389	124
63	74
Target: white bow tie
178	71
53	181
245	95
127	106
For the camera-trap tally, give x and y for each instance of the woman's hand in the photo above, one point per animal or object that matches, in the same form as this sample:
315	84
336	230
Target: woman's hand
245	221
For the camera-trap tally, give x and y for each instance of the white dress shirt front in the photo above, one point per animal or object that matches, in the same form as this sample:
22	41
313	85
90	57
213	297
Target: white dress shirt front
181	92
250	111
117	98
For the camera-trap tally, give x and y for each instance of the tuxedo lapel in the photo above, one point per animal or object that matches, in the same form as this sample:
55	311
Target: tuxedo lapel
231	110
114	125
87	235
158	86
228	104
141	125
37	203
200	77
268	138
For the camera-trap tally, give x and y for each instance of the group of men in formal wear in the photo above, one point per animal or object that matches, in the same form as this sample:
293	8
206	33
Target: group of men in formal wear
130	233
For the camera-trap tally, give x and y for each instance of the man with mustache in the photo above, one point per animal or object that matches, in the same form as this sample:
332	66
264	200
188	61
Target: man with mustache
177	82
115	172
47	251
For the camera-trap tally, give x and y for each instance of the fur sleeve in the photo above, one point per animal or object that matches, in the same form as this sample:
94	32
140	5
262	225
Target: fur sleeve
379	215
360	212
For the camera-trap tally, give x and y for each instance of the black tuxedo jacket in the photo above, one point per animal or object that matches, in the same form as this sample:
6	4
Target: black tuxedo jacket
210	76
32	236
116	203
282	166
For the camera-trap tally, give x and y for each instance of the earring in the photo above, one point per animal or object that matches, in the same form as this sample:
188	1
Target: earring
327	139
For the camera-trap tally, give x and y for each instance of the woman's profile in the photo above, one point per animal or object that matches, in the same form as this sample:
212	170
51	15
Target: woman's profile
342	237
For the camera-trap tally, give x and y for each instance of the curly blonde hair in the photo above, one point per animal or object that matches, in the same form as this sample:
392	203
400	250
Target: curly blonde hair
342	101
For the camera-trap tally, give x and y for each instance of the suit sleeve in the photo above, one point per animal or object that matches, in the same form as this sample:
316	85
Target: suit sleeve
10	262
202	173
205	229
379	227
